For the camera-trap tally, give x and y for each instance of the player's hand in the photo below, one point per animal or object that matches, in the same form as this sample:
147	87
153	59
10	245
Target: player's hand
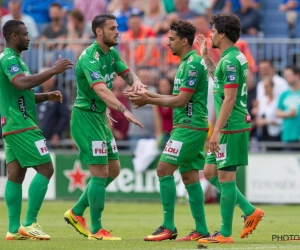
202	42
130	117
214	142
138	99
62	65
55	96
137	86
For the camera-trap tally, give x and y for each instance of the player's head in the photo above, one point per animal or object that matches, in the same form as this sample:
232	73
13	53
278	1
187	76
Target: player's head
181	34
16	34
105	27
225	26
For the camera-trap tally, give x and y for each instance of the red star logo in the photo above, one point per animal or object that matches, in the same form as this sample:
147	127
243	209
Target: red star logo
77	177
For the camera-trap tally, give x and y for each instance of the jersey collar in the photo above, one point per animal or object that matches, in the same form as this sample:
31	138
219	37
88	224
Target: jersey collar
188	54
10	50
232	48
100	49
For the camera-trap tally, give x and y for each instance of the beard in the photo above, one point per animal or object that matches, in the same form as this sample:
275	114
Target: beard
108	42
22	47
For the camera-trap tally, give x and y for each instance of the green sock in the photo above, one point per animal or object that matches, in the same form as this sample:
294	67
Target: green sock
82	203
13	199
96	197
227	204
196	200
36	194
109	180
241	200
168	199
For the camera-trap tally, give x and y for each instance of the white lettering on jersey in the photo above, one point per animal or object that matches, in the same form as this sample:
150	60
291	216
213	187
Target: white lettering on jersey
41	146
113	145
241	57
99	148
173	147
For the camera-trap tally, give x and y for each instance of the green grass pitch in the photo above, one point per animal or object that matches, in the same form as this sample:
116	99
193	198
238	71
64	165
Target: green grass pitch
132	221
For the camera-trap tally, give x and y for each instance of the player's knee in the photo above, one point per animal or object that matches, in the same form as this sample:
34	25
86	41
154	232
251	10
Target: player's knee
46	169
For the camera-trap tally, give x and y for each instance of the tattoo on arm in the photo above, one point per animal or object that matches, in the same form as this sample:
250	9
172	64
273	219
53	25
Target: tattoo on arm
129	77
122	108
211	67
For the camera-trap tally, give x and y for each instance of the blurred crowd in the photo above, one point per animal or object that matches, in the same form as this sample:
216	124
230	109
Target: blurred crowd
273	100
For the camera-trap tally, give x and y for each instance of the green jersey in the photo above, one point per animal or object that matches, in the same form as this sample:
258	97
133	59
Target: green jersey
192	77
95	67
231	72
17	107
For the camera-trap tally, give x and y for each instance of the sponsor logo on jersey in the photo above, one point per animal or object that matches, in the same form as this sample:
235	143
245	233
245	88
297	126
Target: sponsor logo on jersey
221	155
245	72
189	108
3	121
193	73
231	77
41	146
13	69
104	66
113	145
93	105
186	121
95	75
190	59
112	61
203	63
173	148
22	106
190	82
231	68
97	55
11	57
99	148
241	57
93	61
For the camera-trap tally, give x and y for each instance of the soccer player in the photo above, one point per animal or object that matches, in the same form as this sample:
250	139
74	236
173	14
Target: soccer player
95	70
185	148
229	141
24	142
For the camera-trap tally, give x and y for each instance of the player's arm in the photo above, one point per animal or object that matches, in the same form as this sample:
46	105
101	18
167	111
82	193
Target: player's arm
23	82
54	96
41	97
201	41
177	101
286	114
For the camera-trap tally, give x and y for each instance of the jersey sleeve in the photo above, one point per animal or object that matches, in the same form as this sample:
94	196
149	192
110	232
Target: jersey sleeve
193	71
231	69
280	104
11	67
91	69
120	66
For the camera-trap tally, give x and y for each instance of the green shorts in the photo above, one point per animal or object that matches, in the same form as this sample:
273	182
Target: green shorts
93	137
185	149
28	148
233	151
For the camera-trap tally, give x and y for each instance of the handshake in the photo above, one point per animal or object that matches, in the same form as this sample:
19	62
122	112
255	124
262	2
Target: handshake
139	97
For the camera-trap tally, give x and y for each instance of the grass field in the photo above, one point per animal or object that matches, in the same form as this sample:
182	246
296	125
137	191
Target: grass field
132	221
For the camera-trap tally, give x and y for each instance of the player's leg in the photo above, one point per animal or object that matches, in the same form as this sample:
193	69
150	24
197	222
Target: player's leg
167	186
13	197
113	159
194	160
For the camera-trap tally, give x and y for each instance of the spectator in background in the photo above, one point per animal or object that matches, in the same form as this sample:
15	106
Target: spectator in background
183	10
169	6
53	117
39	10
235	5
250	18
154	14
163	116
120	127
90	8
15	13
289	106
218	5
124	11
266	69
201	6
267	123
143	114
291	7
78	28
56	29
145	51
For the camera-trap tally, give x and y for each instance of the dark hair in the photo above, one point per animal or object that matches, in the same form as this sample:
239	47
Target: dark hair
294	69
58	5
100	20
10	27
77	14
267	61
228	24
184	29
